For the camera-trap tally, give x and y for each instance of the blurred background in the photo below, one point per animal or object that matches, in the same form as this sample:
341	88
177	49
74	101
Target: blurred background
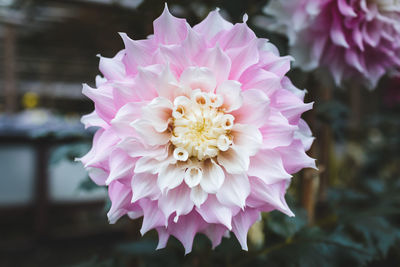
51	214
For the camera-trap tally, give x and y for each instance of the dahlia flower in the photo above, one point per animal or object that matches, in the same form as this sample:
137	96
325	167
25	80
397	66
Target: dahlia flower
199	129
357	39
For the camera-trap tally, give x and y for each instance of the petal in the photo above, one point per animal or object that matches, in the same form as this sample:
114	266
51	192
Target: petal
144	185
121	165
152	217
241	224
198	195
120	196
218	62
149	135
267	165
93	119
176	200
234	191
215	232
136	148
98	175
234	160
169	29
112	68
212	25
168	86
304	134
213	177
242	58
295	158
268	197
337	33
277	131
246	138
257	78
239	36
103	101
198	78
125	116
170	176
213	211
138	53
254	110
158	112
231	92
163	237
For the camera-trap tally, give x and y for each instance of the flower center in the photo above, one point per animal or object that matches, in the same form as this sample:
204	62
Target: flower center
200	127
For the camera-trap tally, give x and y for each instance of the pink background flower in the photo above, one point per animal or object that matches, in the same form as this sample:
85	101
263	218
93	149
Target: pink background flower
354	39
200	129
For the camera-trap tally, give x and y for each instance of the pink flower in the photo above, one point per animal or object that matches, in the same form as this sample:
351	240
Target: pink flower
199	129
357	39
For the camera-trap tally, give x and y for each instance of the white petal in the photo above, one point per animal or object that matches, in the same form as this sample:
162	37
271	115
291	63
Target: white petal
198	195
144	185
147	132
158	112
213	211
176	200
213	177
170	176
198	78
234	160
247	138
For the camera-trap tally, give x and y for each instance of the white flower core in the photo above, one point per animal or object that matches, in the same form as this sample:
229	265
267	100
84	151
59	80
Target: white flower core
200	127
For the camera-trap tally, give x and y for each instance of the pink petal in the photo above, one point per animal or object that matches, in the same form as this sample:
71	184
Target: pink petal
241	224
212	25
163	237
277	131
125	116
242	58
170	176
152	215
254	110
169	29
113	68
267	165
138	53
304	134
93	120
239	36
215	232
212	211
216	60
337	33
260	79
121	166
147	133
295	158
268	197
136	148
103	101
120	196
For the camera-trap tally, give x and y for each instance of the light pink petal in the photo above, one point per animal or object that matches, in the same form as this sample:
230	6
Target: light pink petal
193	45
198	78
158	112
125	116
136	148
295	158
277	131
103	101
242	58
275	64
151	164
231	93
234	160
103	141
337	33
289	105
170	176
98	175
149	135
186	228
268	197
304	134
121	165
93	120
212	211
239	36
234	191
124	91
120	196
212	25
113	68
260	79
241	224
213	177
288	85
346	9
215	232
138	53
254	110
169	29
168	86
268	166
218	61
176	201
144	185
145	87
174	56
163	237
152	215
246	138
